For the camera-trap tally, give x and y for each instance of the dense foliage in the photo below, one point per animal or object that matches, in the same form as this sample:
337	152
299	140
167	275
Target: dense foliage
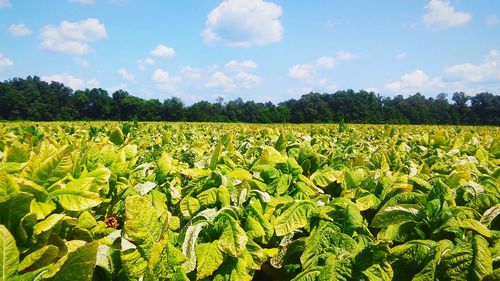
185	201
34	99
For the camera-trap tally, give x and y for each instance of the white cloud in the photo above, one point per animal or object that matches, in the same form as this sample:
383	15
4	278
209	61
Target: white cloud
400	56
163	51
221	80
72	37
164	81
248	80
191	72
19	30
441	15
416	81
325	61
5	62
300	91
125	75
244	23
487	71
238	65
346	56
492	21
371	89
5	4
304	72
72	81
116	87
83	2
144	63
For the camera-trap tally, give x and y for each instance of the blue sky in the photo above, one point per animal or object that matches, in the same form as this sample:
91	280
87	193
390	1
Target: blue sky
254	49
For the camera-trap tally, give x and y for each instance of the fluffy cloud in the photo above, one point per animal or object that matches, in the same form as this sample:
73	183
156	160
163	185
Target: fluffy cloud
19	30
72	81
221	80
325	61
190	72
415	81
163	51
238	65
5	62
440	14
304	72
72	37
83	2
346	56
487	71
468	77
247	80
5	4
164	81
244	23
144	63
125	75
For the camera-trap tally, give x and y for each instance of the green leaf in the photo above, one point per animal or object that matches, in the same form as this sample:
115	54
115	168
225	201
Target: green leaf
490	214
395	215
366	202
77	265
75	199
323	178
283	184
294	217
430	271
189	244
116	136
94	181
53	168
209	259
327	238
310	274
86	220
106	259
468	261
16	154
208	197
39	258
467	224
133	263
40	209
413	254
233	238
165	258
8	186
9	255
142	223
240	174
48	223
214	160
12	211
189	206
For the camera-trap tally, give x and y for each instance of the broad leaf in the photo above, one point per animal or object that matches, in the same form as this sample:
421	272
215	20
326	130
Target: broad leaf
233	238
73	199
209	259
9	255
142	224
295	216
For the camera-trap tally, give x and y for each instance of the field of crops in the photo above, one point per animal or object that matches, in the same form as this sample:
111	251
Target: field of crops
158	201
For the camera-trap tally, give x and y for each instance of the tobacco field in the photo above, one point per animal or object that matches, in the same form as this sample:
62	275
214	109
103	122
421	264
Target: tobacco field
216	201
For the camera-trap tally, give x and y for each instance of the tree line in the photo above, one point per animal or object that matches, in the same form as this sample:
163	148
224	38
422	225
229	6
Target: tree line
37	100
